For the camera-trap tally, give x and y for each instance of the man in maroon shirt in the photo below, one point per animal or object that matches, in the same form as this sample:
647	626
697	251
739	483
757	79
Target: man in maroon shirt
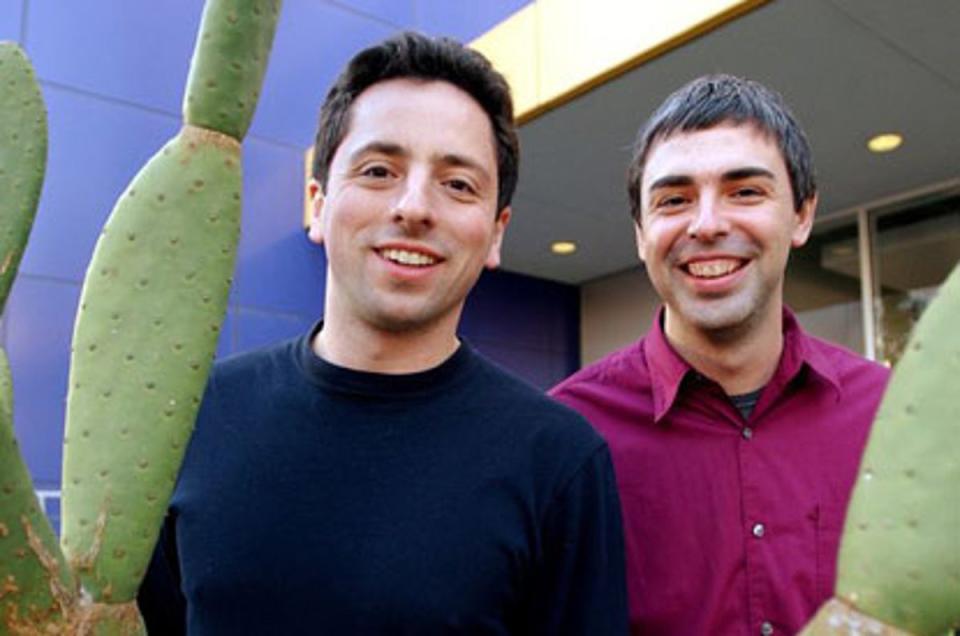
735	435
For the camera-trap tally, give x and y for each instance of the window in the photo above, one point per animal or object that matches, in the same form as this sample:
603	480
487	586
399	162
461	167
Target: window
912	245
915	248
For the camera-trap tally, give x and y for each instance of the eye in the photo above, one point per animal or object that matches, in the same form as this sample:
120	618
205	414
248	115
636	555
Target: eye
461	186
376	171
671	201
747	192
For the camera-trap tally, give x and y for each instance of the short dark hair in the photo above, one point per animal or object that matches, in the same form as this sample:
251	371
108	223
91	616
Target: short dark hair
712	100
412	55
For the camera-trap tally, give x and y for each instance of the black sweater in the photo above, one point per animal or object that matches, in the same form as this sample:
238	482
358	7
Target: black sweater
319	500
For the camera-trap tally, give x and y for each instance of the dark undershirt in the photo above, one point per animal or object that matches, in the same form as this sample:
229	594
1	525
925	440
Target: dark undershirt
745	402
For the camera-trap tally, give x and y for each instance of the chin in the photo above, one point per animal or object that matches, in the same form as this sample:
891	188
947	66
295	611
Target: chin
405	320
727	315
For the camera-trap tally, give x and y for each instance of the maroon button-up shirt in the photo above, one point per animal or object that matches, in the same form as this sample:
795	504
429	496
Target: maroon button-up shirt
732	526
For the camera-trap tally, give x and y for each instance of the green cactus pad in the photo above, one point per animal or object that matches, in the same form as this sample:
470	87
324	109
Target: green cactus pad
900	552
153	300
36	587
23	158
229	62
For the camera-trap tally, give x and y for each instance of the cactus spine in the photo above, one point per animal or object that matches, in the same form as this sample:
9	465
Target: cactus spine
900	552
153	299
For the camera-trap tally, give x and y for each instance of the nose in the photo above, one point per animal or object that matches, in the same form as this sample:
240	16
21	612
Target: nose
412	209
709	221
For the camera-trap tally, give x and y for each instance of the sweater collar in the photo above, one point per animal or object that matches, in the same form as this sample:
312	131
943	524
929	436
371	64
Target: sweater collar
368	384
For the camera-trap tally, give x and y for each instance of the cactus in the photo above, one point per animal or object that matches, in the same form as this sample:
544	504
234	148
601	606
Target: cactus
23	158
36	587
146	332
154	297
900	552
228	64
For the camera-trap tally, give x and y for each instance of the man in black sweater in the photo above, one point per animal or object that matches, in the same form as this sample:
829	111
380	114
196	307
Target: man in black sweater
378	476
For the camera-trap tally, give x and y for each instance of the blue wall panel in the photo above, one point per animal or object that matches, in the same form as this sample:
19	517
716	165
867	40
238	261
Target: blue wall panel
278	267
51	507
95	148
313	42
255	329
540	368
113	73
10	19
39	325
464	20
522	310
401	14
134	51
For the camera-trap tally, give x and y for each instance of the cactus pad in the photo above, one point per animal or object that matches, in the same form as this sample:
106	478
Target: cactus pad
153	300
36	587
229	62
900	552
23	157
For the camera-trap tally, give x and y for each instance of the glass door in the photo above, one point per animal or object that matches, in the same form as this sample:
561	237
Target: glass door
914	249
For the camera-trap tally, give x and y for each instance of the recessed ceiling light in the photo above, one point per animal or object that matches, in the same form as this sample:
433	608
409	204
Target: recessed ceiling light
885	142
563	247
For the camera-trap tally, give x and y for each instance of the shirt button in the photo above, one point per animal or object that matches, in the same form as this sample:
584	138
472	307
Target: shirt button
766	628
747	432
758	530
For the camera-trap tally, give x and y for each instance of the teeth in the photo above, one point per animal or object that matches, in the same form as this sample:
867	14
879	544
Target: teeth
405	257
712	269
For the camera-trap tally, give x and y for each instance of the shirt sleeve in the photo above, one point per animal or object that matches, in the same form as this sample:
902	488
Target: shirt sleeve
581	586
161	602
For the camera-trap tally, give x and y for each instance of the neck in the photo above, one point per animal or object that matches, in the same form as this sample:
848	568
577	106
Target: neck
740	359
355	344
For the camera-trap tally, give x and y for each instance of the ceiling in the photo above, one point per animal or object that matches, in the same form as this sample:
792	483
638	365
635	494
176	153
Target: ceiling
848	68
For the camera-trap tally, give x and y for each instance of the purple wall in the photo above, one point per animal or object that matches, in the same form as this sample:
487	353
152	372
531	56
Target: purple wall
112	72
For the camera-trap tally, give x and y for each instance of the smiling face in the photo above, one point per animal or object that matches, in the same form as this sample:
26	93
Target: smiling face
409	218
716	228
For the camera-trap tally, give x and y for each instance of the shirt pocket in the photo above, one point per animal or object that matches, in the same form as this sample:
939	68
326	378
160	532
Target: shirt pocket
829	530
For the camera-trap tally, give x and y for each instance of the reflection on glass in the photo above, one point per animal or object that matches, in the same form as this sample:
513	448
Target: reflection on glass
823	284
915	248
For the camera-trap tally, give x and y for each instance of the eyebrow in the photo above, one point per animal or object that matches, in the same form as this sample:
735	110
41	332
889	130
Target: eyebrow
378	147
746	173
671	181
738	174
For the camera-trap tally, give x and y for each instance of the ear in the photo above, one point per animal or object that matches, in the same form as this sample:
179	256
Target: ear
804	222
499	226
315	229
638	233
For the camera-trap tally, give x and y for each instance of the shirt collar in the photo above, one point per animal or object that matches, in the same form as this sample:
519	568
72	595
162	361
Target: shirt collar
800	350
668	369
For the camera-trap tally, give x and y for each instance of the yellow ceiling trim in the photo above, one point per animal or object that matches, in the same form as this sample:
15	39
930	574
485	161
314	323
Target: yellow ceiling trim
551	51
